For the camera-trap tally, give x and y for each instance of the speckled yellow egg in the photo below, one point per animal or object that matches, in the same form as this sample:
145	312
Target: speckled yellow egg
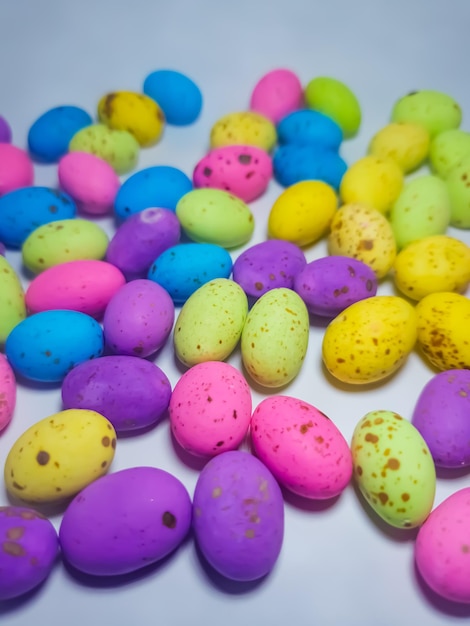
393	468
363	233
137	113
443	330
373	181
275	338
12	303
244	128
370	340
303	212
405	143
60	455
432	264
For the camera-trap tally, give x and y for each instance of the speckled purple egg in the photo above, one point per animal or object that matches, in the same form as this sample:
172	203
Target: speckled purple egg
138	319
130	392
238	516
330	284
28	549
268	265
5	131
125	521
442	416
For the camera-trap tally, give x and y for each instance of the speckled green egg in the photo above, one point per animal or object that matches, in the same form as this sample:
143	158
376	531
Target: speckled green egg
422	209
244	128
12	303
434	110
393	468
458	186
210	323
275	338
335	99
448	149
406	144
63	241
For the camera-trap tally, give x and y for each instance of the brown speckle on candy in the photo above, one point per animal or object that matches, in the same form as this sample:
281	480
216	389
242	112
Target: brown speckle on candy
13	549
43	457
169	520
371	438
15	533
105	441
216	492
249	533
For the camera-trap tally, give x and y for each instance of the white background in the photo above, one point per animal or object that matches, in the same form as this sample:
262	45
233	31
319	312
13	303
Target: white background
338	565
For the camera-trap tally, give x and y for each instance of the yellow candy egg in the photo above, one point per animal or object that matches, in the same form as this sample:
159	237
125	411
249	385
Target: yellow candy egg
443	330
370	339
244	128
405	143
303	212
363	233
60	455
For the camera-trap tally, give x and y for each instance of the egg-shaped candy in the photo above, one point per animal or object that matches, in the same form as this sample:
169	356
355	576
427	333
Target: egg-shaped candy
7	392
459	191
434	110
335	99
309	127
5	130
295	162
16	168
448	149
12	303
177	95
276	94
405	143
243	128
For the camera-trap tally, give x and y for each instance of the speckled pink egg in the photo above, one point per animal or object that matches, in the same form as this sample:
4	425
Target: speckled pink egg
276	94
244	171
442	549
16	168
90	180
301	446
7	392
210	408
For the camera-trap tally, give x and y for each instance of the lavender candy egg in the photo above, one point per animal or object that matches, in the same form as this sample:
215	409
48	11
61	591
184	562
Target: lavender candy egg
141	239
330	284
5	131
442	416
130	392
28	550
238	516
125	521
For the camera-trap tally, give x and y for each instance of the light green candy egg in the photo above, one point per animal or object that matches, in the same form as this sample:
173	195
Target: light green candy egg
335	99
448	150
63	241
393	468
210	322
117	147
215	216
12	305
421	210
275	338
434	110
458	185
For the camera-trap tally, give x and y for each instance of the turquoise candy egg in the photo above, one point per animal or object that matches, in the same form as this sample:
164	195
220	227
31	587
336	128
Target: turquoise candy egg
45	346
178	96
293	163
50	134
158	186
25	209
309	127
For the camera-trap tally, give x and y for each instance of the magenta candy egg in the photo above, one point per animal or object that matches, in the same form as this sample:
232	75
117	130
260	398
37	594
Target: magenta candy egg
238	516
244	171
210	408
442	548
7	392
16	168
301	446
276	94
138	318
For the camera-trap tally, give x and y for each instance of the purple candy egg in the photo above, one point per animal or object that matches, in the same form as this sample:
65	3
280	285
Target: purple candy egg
5	131
2	249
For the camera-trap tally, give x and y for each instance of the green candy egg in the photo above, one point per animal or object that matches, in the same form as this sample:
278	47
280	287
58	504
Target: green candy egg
434	110
335	99
458	185
447	150
12	304
393	468
422	209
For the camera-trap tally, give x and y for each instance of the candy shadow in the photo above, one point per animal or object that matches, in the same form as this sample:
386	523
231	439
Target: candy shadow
450	473
19	603
361	387
36	385
139	432
47	509
190	460
307	504
261	389
448	607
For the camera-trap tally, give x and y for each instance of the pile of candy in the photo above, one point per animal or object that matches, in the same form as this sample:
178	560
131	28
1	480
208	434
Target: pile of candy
96	312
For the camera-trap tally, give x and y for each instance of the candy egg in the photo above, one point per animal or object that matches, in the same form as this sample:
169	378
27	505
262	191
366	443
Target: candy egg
5	130
370	339
458	186
7	393
243	128
12	304
405	143
393	468
276	94
295	162
335	99
447	150
434	110
16	168
308	127
177	95
58	456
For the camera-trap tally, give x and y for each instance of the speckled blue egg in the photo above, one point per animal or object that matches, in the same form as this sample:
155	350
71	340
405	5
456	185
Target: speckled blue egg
158	186
185	267
46	346
177	95
309	127
50	135
25	209
294	162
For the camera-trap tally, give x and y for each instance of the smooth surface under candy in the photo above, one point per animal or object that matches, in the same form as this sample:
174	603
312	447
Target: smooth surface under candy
335	99
308	127
7	393
294	162
434	110
276	94
176	94
405	143
16	168
243	128
12	304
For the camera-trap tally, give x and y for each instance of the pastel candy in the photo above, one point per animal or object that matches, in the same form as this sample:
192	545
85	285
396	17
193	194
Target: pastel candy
12	303
177	95
309	127
7	394
5	130
16	168
243	128
276	94
295	162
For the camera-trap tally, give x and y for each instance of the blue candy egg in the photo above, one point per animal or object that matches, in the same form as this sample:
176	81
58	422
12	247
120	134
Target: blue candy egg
160	186
293	163
46	346
178	96
309	127
50	134
185	267
25	209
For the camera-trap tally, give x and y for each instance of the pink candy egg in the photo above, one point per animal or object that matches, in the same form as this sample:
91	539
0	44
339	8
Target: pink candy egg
244	171
7	392
90	180
301	446
210	409
16	168
277	94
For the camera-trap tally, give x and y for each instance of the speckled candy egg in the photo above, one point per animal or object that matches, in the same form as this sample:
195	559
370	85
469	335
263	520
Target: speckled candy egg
405	143
332	97
458	186
176	94
448	149
308	127
59	455
243	128
441	415
330	284
393	468
125	521
238	516
7	392
301	446
29	550
16	168
12	304
295	162
434	110
370	339
276	94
